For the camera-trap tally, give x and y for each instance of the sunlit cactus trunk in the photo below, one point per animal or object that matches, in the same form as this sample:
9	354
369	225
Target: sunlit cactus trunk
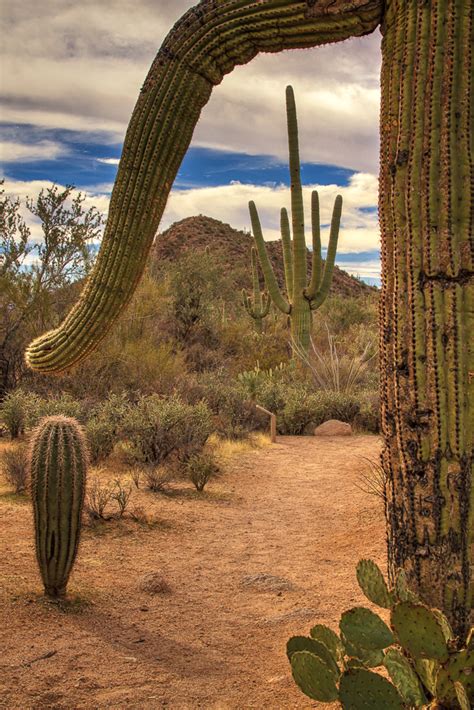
426	313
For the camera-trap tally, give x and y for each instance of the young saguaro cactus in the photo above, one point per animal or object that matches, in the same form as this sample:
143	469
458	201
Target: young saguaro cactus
58	466
302	298
259	307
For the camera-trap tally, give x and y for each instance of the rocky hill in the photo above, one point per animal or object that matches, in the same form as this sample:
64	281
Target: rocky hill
233	248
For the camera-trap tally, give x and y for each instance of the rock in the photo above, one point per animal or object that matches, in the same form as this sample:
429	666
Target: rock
154	583
333	427
263	582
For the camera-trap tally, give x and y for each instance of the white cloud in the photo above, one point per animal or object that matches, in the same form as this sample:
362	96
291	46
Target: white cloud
109	161
81	67
12	151
229	203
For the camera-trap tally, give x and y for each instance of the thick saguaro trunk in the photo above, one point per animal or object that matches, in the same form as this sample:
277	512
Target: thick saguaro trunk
427	316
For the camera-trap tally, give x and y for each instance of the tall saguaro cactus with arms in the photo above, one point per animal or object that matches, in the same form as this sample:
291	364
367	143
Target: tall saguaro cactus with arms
426	215
301	299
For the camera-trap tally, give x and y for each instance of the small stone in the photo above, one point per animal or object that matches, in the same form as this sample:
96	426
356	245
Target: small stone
333	427
154	583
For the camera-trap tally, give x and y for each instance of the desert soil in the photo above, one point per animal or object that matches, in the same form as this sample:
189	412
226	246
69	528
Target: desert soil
216	640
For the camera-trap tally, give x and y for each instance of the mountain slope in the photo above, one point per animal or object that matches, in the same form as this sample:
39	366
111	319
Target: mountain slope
233	247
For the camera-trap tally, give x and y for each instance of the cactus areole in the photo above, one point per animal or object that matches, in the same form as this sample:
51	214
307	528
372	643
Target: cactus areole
426	215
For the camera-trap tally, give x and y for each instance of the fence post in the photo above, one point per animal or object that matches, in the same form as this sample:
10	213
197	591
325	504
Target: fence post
273	422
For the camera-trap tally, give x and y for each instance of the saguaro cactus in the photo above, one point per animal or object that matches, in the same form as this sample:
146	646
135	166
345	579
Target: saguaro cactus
58	464
258	307
426	215
302	299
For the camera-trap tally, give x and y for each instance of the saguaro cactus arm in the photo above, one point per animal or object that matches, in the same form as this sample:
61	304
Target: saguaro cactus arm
260	306
316	261
287	252
270	279
319	295
205	44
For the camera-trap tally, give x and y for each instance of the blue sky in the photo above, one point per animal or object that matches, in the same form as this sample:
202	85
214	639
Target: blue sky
66	100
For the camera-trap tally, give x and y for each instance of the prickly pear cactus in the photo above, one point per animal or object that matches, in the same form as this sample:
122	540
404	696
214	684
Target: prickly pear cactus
418	652
58	466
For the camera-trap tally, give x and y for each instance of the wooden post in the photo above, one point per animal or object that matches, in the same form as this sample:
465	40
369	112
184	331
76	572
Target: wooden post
273	423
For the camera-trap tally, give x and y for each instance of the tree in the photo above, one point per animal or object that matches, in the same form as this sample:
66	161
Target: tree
426	215
36	275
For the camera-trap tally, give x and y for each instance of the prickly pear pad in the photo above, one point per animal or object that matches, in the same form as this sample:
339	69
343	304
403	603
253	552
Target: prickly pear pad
404	678
363	690
303	643
373	584
313	677
419	631
361	627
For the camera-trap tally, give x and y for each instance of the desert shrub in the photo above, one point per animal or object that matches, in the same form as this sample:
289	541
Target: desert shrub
19	411
104	427
100	439
98	498
368	417
64	404
235	416
121	495
158	428
335	369
15	467
157	478
200	468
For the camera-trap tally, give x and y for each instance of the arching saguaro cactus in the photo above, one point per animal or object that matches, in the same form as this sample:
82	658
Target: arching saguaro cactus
301	299
257	307
426	214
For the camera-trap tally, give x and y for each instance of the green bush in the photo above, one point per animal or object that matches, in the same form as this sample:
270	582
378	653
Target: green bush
64	405
19	411
159	428
368	417
235	416
104	427
200	468
100	439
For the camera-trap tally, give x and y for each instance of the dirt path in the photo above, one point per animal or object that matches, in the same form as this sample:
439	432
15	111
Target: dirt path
217	640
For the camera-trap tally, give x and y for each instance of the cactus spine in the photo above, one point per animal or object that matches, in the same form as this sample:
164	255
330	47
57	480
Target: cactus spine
259	307
58	464
426	215
302	298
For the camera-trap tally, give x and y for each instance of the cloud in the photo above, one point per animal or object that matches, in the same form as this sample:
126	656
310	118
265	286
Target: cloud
12	151
109	161
81	68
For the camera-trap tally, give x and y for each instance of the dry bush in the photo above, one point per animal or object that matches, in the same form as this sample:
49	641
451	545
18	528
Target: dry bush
157	478
136	475
374	480
121	495
98	498
15	467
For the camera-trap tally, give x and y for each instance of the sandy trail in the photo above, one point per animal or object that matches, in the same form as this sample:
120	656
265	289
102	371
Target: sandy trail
291	510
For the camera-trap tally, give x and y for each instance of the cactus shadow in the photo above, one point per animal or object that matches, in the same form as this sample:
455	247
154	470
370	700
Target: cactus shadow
153	647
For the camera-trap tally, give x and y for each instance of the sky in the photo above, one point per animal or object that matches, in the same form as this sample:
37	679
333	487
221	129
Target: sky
70	74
